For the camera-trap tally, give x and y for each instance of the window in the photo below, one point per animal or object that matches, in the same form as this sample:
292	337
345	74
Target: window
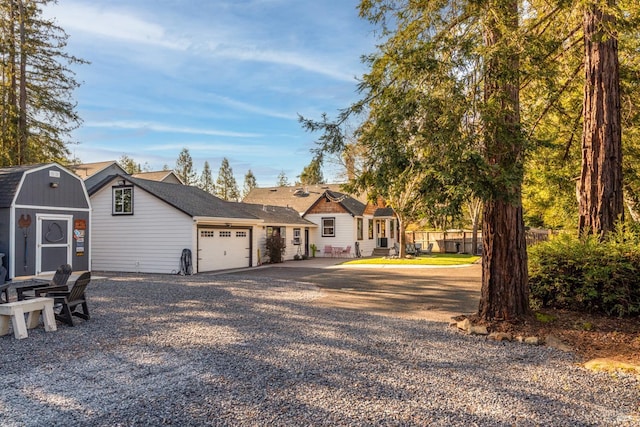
328	227
122	200
360	235
225	234
296	236
207	233
392	229
370	229
241	234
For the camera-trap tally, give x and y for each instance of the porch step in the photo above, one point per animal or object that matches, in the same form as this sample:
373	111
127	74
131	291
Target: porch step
380	252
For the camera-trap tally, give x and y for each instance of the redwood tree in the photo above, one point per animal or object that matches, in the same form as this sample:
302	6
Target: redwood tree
600	192
504	292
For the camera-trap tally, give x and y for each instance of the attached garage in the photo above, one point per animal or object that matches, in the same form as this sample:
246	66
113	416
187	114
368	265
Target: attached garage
223	248
145	226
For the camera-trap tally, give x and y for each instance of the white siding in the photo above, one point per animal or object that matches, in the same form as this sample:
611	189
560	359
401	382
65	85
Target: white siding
290	251
345	232
149	241
367	245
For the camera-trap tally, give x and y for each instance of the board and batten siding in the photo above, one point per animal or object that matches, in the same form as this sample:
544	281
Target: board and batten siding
149	241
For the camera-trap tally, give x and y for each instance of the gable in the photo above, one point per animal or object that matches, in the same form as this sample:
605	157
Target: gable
325	206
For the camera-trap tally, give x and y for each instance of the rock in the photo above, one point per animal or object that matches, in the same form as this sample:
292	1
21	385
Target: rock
610	365
555	342
478	330
500	336
532	340
464	325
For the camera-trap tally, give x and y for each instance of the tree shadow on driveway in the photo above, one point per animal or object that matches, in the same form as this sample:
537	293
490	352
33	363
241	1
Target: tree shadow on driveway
436	294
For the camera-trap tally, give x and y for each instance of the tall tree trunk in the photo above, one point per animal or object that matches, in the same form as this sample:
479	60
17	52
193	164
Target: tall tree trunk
12	100
504	293
601	201
22	99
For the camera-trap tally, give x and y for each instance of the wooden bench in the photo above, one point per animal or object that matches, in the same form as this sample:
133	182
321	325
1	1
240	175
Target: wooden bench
16	310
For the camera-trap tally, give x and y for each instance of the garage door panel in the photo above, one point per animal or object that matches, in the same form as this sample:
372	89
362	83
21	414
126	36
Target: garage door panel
220	249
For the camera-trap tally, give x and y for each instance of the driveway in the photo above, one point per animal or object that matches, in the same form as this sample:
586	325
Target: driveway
429	293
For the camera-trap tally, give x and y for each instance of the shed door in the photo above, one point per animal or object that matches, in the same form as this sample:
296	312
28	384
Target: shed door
54	241
221	249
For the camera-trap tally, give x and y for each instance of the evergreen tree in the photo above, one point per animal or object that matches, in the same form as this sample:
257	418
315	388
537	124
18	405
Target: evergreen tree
601	201
435	118
184	168
37	112
130	166
312	173
206	180
249	183
226	185
283	181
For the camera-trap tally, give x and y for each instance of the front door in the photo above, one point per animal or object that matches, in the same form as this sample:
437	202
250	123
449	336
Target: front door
54	241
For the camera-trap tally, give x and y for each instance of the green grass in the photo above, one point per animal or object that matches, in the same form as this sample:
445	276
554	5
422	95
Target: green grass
434	259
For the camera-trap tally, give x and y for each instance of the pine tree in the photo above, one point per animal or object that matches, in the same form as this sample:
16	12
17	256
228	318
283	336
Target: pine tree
37	112
249	183
312	173
283	181
206	180
226	185
129	165
184	168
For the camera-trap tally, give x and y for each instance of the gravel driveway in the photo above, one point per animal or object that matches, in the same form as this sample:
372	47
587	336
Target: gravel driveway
246	350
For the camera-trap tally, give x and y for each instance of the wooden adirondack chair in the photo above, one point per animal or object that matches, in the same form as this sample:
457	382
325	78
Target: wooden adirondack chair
57	283
71	300
4	287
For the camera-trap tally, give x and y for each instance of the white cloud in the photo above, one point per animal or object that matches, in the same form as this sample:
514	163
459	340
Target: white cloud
302	61
120	25
111	24
243	106
157	127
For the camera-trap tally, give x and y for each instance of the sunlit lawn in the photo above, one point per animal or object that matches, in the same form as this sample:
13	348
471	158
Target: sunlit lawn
433	259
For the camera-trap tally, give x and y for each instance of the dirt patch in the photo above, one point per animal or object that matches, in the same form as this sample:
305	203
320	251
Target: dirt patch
590	336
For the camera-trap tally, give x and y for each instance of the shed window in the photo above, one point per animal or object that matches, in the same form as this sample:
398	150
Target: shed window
360	222
328	227
123	200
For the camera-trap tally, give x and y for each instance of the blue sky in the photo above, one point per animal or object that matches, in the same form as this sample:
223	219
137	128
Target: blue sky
223	78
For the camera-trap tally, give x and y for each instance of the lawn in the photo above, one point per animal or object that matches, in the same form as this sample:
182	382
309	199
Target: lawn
433	259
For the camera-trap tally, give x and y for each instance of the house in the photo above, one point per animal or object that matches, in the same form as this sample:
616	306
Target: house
162	176
285	223
342	220
143	226
95	173
45	220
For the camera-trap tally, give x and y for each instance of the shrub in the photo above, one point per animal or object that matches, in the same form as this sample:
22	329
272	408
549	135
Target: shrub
587	275
275	248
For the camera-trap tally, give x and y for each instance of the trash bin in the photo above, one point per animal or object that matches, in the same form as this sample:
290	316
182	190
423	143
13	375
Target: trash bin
457	247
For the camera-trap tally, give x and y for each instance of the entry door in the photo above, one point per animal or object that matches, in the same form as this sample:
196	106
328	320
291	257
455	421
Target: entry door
54	241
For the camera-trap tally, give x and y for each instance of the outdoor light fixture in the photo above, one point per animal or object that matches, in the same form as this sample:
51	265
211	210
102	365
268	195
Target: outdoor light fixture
53	184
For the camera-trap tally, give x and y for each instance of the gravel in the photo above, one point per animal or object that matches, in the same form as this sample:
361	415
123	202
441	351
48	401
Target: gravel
236	350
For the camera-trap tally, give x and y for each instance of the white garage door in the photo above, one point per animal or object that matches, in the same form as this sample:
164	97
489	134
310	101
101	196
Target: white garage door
221	249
